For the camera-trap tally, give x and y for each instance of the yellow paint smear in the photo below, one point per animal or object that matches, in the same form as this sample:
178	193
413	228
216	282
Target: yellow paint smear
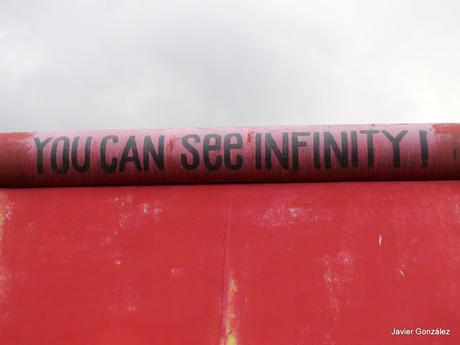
230	336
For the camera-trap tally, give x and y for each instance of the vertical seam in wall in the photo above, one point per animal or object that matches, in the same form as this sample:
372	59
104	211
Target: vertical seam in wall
225	270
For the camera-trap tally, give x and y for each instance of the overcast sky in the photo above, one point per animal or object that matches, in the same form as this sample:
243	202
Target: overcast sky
151	64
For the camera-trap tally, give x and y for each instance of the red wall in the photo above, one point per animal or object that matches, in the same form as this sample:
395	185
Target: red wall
324	263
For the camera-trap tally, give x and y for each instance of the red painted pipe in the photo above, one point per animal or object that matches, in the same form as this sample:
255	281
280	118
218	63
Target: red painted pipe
259	154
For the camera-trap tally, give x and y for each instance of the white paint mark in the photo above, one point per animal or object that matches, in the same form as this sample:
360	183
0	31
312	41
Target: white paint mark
118	262
281	215
338	276
106	241
177	271
5	213
294	212
124	220
145	207
402	273
380	240
346	258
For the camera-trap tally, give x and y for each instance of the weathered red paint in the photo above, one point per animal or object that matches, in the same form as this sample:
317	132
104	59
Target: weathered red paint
321	263
232	264
22	165
443	128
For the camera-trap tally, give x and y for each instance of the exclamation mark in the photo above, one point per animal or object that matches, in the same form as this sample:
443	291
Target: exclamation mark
424	148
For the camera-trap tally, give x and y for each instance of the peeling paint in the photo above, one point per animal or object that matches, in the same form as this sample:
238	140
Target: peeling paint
338	277
2	218
149	209
230	333
3	280
5	213
446	129
177	272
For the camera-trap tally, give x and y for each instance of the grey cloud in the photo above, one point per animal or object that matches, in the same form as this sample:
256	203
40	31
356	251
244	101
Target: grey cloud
131	64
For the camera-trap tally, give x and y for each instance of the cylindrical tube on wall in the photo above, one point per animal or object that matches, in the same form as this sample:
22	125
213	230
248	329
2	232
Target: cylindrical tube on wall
258	154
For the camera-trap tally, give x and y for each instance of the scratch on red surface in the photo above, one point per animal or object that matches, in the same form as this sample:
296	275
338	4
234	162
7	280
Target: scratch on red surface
170	145
3	275
18	135
454	131
18	140
249	138
447	129
2	218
